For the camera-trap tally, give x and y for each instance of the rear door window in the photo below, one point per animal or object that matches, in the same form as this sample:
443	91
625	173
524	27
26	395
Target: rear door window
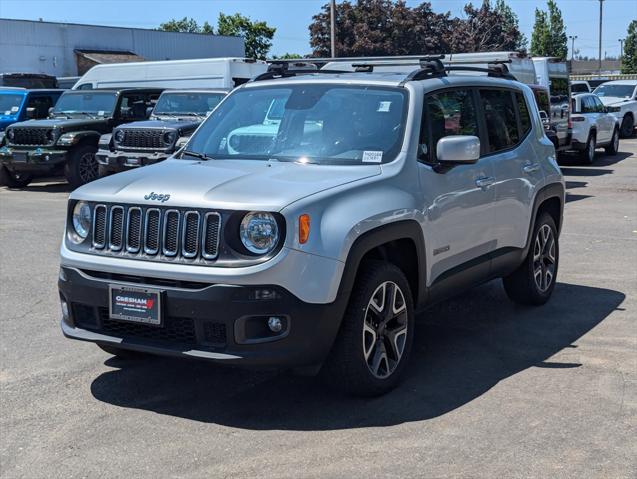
500	119
41	105
525	117
450	112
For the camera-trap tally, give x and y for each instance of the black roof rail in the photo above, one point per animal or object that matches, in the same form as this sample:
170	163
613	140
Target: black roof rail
435	69
281	69
498	70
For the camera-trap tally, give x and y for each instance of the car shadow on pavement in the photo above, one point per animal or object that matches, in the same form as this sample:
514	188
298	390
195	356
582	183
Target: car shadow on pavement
567	162
463	348
46	185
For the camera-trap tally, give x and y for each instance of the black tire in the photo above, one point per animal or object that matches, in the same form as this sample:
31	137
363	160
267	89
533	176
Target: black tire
121	353
14	180
627	127
522	285
587	155
82	166
613	146
347	368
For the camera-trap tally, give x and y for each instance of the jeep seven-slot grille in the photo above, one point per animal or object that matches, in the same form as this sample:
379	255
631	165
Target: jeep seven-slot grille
143	138
31	136
155	233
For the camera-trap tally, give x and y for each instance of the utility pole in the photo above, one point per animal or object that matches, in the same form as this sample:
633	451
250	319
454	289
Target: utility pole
573	38
621	48
333	27
599	66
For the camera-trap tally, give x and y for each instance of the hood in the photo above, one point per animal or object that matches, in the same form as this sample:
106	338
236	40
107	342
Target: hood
223	184
613	100
172	123
63	123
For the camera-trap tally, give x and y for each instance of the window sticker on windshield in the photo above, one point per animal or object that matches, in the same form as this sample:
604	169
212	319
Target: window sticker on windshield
384	106
100	113
372	156
7	113
14	109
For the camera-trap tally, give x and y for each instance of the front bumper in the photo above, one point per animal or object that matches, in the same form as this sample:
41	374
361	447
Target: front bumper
218	322
123	160
37	160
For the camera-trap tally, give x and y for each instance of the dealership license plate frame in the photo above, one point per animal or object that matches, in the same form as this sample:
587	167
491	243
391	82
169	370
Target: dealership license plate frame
155	318
20	157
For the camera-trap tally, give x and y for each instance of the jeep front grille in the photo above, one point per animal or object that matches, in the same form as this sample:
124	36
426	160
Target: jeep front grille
155	234
31	136
145	139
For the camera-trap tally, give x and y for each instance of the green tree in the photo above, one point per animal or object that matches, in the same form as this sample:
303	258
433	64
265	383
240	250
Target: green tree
541	34
186	25
287	56
629	60
558	43
510	23
257	35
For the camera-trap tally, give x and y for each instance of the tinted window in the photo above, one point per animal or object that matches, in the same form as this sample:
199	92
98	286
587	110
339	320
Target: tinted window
599	106
187	103
41	105
525	117
588	105
542	98
620	91
449	113
579	88
95	103
499	114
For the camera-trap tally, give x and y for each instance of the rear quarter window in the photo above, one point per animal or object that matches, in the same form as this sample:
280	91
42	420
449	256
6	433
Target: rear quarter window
525	117
500	118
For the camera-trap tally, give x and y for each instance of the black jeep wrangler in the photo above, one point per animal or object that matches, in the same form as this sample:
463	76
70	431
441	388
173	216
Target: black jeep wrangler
67	141
175	117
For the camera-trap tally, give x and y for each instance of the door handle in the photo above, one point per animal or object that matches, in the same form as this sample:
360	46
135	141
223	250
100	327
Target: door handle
485	182
530	168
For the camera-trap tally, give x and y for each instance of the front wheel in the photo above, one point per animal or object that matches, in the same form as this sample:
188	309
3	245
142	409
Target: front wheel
628	125
613	147
588	153
82	166
373	346
14	179
534	280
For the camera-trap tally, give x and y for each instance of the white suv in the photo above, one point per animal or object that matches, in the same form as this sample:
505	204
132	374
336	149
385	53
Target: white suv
593	127
620	96
311	244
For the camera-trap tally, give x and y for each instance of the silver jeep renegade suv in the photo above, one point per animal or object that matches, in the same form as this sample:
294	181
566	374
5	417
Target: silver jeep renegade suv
311	216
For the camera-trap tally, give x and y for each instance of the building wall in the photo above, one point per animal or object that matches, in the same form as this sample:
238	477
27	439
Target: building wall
44	47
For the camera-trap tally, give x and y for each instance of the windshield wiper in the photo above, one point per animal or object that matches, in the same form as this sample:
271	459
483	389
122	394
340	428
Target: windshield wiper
201	156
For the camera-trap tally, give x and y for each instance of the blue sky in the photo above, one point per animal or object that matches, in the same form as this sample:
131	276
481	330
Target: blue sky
292	17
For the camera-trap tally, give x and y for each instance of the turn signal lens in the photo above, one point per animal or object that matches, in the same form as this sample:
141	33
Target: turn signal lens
304	228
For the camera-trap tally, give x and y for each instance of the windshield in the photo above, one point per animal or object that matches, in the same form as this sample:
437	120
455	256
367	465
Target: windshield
308	123
93	103
10	104
187	103
620	91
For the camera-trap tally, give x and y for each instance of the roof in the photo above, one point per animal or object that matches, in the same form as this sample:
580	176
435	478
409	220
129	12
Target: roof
109	56
116	90
621	82
198	90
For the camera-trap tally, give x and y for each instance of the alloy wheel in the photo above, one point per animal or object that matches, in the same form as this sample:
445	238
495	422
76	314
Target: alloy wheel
591	149
385	329
616	141
88	167
544	261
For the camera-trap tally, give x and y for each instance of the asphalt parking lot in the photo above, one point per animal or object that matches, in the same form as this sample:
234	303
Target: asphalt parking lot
493	389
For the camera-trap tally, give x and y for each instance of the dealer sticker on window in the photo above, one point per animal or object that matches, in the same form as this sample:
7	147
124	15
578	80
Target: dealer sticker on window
372	156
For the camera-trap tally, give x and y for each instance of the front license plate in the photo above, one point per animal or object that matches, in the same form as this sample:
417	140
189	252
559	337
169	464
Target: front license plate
137	305
19	157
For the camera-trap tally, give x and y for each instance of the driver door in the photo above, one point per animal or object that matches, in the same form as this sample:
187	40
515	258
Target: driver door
457	200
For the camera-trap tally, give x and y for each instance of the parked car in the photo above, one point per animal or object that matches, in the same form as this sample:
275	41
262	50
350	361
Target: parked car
175	116
593	127
314	251
67	141
580	86
620	96
552	74
192	73
17	104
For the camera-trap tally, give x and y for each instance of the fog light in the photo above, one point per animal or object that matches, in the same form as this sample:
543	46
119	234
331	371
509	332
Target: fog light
62	275
275	324
47	157
264	294
65	309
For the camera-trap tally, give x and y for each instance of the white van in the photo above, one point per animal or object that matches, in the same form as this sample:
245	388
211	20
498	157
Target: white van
518	64
195	73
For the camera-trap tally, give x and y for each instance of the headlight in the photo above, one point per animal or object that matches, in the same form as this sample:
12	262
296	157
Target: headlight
259	232
170	137
119	136
68	139
10	134
81	221
614	109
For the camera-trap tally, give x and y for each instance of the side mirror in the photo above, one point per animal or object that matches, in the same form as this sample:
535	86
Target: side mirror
51	110
149	111
31	113
458	149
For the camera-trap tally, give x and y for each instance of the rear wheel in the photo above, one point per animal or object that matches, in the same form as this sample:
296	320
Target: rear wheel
373	346
14	179
588	153
533	282
628	125
82	166
613	146
121	353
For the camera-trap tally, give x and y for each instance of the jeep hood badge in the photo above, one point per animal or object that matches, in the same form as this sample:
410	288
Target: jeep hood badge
157	197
